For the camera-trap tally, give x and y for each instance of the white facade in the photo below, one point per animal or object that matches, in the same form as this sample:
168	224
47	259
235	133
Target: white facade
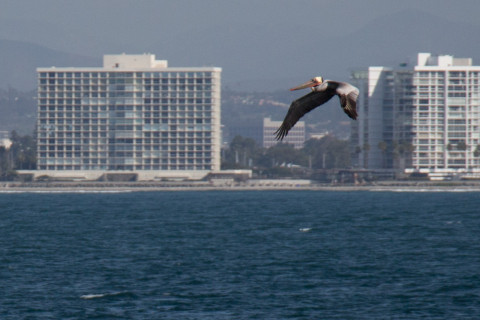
446	122
296	135
383	128
134	114
423	119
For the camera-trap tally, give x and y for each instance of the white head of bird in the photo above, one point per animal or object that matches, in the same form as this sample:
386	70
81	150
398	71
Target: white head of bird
318	80
309	84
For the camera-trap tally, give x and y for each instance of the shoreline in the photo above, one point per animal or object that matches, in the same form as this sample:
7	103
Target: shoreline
281	185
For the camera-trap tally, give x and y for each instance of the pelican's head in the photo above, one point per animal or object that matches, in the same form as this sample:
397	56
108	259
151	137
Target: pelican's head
312	83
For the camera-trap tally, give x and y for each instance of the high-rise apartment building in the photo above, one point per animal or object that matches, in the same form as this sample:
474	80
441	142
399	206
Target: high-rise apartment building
134	114
446	122
296	135
383	127
424	119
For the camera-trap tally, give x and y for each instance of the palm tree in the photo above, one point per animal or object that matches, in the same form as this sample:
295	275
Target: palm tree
462	146
476	153
402	151
366	149
382	145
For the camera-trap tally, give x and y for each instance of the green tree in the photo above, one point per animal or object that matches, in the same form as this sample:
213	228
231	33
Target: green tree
3	160
328	153
6	171
241	153
382	145
284	160
366	149
401	152
23	151
284	154
476	153
461	145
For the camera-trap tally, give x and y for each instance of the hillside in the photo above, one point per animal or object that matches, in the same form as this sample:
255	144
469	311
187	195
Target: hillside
259	63
266	57
19	61
18	111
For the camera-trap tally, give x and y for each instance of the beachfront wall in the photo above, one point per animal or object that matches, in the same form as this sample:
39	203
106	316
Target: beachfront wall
135	114
114	175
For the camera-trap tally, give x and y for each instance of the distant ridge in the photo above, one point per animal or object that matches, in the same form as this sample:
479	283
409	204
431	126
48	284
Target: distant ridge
19	60
281	56
266	57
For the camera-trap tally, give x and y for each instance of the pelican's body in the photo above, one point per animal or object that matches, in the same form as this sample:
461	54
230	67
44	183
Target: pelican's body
322	91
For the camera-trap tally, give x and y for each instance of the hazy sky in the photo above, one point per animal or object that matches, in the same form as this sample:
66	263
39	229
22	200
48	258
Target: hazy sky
197	32
95	27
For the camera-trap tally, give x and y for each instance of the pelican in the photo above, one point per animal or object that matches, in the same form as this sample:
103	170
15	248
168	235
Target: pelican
322	91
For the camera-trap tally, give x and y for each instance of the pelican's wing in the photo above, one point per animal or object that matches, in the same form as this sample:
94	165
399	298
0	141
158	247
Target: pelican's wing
348	98
300	107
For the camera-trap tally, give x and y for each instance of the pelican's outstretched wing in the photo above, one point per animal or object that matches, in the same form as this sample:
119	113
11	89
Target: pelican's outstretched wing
300	107
348	95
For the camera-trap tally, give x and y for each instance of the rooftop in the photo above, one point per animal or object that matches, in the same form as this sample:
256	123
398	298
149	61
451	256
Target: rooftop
427	59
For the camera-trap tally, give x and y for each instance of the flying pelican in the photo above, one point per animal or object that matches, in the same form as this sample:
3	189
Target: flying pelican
322	91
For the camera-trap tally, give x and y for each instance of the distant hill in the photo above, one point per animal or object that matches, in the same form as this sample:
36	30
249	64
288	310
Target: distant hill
397	38
260	62
19	60
267	57
18	111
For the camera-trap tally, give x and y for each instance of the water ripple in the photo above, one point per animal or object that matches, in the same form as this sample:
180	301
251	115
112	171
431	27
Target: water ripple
240	255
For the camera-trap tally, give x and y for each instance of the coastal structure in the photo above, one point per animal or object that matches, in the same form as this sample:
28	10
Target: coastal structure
135	114
425	119
296	135
383	127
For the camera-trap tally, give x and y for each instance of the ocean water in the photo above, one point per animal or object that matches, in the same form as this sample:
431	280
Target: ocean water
240	255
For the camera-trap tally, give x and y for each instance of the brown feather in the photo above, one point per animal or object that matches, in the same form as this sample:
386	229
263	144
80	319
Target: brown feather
299	108
347	93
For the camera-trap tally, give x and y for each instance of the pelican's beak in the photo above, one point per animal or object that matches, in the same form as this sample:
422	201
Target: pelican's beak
308	84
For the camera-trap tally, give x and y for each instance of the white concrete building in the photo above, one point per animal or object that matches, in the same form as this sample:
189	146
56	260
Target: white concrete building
383	128
296	135
424	119
446	121
134	114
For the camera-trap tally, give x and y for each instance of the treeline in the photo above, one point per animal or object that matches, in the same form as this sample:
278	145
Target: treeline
284	160
20	155
281	160
18	110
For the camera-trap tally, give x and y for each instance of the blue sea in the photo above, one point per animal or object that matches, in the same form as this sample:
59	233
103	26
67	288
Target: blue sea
240	255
